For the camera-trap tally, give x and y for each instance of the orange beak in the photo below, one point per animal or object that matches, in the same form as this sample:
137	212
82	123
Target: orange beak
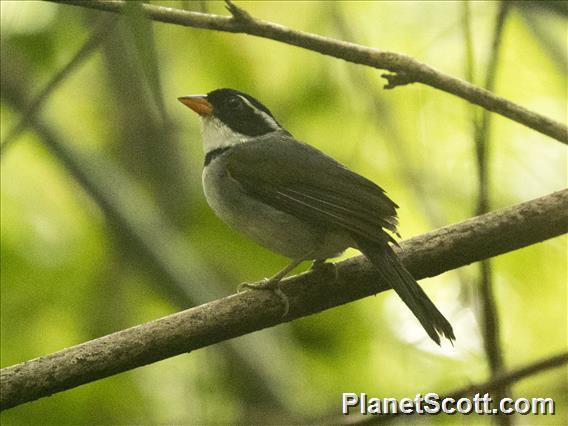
198	103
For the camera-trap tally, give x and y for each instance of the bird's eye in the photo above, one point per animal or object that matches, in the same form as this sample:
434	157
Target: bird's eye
234	103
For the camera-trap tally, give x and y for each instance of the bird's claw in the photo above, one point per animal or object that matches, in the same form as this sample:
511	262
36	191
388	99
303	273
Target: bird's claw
271	285
322	265
264	284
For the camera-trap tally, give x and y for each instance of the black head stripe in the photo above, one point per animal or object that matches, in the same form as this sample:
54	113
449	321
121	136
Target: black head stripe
240	112
257	104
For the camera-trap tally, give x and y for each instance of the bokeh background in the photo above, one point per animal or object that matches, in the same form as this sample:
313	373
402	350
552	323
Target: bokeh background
104	225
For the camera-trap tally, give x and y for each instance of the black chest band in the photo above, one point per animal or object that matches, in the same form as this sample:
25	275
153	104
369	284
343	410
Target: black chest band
211	155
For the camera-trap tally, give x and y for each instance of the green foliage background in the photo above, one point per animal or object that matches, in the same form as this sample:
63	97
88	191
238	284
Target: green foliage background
70	274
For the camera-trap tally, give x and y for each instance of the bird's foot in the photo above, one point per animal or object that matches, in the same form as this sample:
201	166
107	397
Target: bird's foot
322	265
271	285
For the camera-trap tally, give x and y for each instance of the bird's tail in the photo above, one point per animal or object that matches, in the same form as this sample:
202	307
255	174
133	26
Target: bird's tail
395	274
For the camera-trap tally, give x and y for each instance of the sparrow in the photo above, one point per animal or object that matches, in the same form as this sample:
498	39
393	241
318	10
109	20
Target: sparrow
297	201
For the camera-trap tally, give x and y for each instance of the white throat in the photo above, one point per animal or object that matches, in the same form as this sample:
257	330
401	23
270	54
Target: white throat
217	134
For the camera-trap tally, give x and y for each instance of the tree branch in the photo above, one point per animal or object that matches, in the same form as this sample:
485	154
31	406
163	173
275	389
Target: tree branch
425	256
404	69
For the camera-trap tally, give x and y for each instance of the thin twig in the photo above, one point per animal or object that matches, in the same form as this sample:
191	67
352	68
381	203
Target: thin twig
404	69
426	255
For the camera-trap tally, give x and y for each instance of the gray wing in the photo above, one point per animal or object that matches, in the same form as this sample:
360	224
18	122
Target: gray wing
304	182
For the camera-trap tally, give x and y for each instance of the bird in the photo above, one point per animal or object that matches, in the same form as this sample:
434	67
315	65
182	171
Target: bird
297	201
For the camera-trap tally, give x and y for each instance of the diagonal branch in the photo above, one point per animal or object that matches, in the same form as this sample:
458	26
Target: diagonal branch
102	30
512	376
404	69
427	255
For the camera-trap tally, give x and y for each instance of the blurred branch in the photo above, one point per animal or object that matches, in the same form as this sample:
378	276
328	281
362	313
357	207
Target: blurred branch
512	376
426	255
468	45
482	140
385	122
555	47
496	382
101	31
483	130
126	208
404	69
143	35
382	118
144	142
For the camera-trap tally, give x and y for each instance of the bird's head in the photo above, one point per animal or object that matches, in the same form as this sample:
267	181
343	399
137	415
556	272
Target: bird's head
230	117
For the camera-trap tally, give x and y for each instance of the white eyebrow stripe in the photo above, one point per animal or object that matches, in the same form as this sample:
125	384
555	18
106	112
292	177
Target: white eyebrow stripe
267	118
246	101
